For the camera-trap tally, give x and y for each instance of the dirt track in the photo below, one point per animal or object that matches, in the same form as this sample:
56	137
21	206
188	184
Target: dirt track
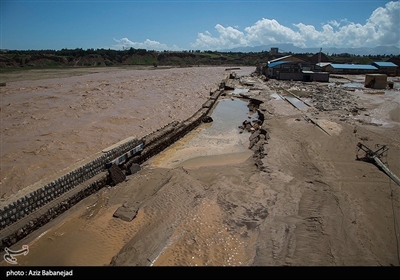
314	205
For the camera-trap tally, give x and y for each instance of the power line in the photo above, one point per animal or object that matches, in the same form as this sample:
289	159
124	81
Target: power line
394	219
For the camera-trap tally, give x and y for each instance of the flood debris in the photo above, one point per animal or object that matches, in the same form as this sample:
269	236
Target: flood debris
374	157
331	99
126	213
116	174
207	119
133	169
258	134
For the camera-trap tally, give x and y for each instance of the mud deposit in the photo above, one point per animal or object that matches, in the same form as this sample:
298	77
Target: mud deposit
313	205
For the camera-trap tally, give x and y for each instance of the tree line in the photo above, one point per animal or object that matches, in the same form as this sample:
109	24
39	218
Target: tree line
132	56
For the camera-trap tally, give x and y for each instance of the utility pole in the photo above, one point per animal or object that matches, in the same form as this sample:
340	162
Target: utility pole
319	55
374	156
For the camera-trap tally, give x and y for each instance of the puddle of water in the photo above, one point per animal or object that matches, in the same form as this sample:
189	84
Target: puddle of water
396	85
238	91
353	84
223	159
379	122
298	103
217	143
77	240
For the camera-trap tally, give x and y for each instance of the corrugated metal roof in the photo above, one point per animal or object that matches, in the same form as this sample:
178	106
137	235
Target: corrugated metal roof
273	64
354	66
384	64
279	58
377	75
323	64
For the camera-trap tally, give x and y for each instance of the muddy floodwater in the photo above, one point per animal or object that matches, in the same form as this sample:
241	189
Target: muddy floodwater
49	123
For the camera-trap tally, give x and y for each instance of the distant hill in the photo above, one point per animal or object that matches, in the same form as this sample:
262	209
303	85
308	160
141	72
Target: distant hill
102	57
381	50
10	59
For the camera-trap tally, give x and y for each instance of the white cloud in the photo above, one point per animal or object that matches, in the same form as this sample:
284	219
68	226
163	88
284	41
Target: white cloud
386	22
229	37
147	44
381	28
334	23
267	31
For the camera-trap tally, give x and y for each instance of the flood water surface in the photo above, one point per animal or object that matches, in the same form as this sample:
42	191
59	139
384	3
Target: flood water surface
217	143
49	124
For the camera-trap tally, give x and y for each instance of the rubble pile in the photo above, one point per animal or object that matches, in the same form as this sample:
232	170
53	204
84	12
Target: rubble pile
258	134
331	98
259	137
324	98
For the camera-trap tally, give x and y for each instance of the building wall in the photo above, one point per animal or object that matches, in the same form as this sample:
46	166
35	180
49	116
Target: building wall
321	76
390	71
330	69
299	76
295	76
376	81
395	60
291	67
294	71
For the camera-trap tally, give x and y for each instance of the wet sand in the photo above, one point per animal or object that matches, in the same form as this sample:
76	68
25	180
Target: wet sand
314	205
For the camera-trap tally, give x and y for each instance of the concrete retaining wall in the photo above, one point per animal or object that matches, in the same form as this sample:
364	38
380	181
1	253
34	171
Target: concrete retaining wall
34	221
16	220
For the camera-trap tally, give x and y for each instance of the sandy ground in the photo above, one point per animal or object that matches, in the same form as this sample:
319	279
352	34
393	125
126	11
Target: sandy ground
313	205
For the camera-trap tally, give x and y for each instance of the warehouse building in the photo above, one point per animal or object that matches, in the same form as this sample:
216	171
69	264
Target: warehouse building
351	68
386	67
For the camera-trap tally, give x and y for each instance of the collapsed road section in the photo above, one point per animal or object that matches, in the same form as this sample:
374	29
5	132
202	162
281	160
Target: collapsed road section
29	211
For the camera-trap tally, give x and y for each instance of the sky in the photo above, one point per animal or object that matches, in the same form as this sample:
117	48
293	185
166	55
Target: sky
196	25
